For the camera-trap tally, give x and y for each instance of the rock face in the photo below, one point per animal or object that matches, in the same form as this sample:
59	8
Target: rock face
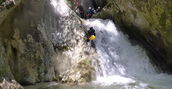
149	21
80	73
10	85
38	43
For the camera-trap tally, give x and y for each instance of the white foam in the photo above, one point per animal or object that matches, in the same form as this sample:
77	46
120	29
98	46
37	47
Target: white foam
60	7
116	54
115	79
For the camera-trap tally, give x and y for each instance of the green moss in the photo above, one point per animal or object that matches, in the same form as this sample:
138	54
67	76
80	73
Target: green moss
84	62
87	69
152	19
157	13
1	1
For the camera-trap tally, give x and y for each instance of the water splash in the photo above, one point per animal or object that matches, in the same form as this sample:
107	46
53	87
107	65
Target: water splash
122	64
116	54
115	79
60	7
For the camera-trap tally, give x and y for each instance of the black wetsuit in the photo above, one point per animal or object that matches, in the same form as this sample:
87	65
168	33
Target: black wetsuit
90	32
81	11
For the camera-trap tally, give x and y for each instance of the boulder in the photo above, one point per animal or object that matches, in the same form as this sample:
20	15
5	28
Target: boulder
38	43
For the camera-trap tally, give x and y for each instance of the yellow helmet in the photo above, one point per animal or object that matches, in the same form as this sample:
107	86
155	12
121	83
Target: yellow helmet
92	37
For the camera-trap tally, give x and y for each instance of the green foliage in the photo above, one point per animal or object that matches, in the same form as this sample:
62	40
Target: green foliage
1	1
156	15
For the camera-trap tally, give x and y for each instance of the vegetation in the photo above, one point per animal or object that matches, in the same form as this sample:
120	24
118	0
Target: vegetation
1	1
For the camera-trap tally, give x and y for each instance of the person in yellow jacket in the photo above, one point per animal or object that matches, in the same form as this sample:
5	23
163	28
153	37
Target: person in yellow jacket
91	35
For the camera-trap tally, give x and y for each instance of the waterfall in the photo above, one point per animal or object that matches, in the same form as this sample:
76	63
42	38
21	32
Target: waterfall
120	61
60	7
116	54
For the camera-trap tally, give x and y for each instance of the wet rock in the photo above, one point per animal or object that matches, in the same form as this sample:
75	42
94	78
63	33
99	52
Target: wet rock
10	85
37	43
150	19
27	53
79	73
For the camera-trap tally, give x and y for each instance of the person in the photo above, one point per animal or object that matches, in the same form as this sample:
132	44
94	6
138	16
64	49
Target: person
80	10
91	35
98	9
93	11
89	13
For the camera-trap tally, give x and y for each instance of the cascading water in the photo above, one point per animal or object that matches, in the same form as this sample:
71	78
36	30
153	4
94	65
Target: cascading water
116	53
122	63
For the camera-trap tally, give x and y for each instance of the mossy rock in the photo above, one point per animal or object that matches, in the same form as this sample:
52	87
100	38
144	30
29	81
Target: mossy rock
149	21
80	73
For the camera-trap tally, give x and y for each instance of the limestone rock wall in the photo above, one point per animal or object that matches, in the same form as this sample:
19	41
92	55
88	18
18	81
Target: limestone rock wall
37	44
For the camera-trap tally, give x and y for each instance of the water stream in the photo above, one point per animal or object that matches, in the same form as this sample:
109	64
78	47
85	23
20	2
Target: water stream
122	64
